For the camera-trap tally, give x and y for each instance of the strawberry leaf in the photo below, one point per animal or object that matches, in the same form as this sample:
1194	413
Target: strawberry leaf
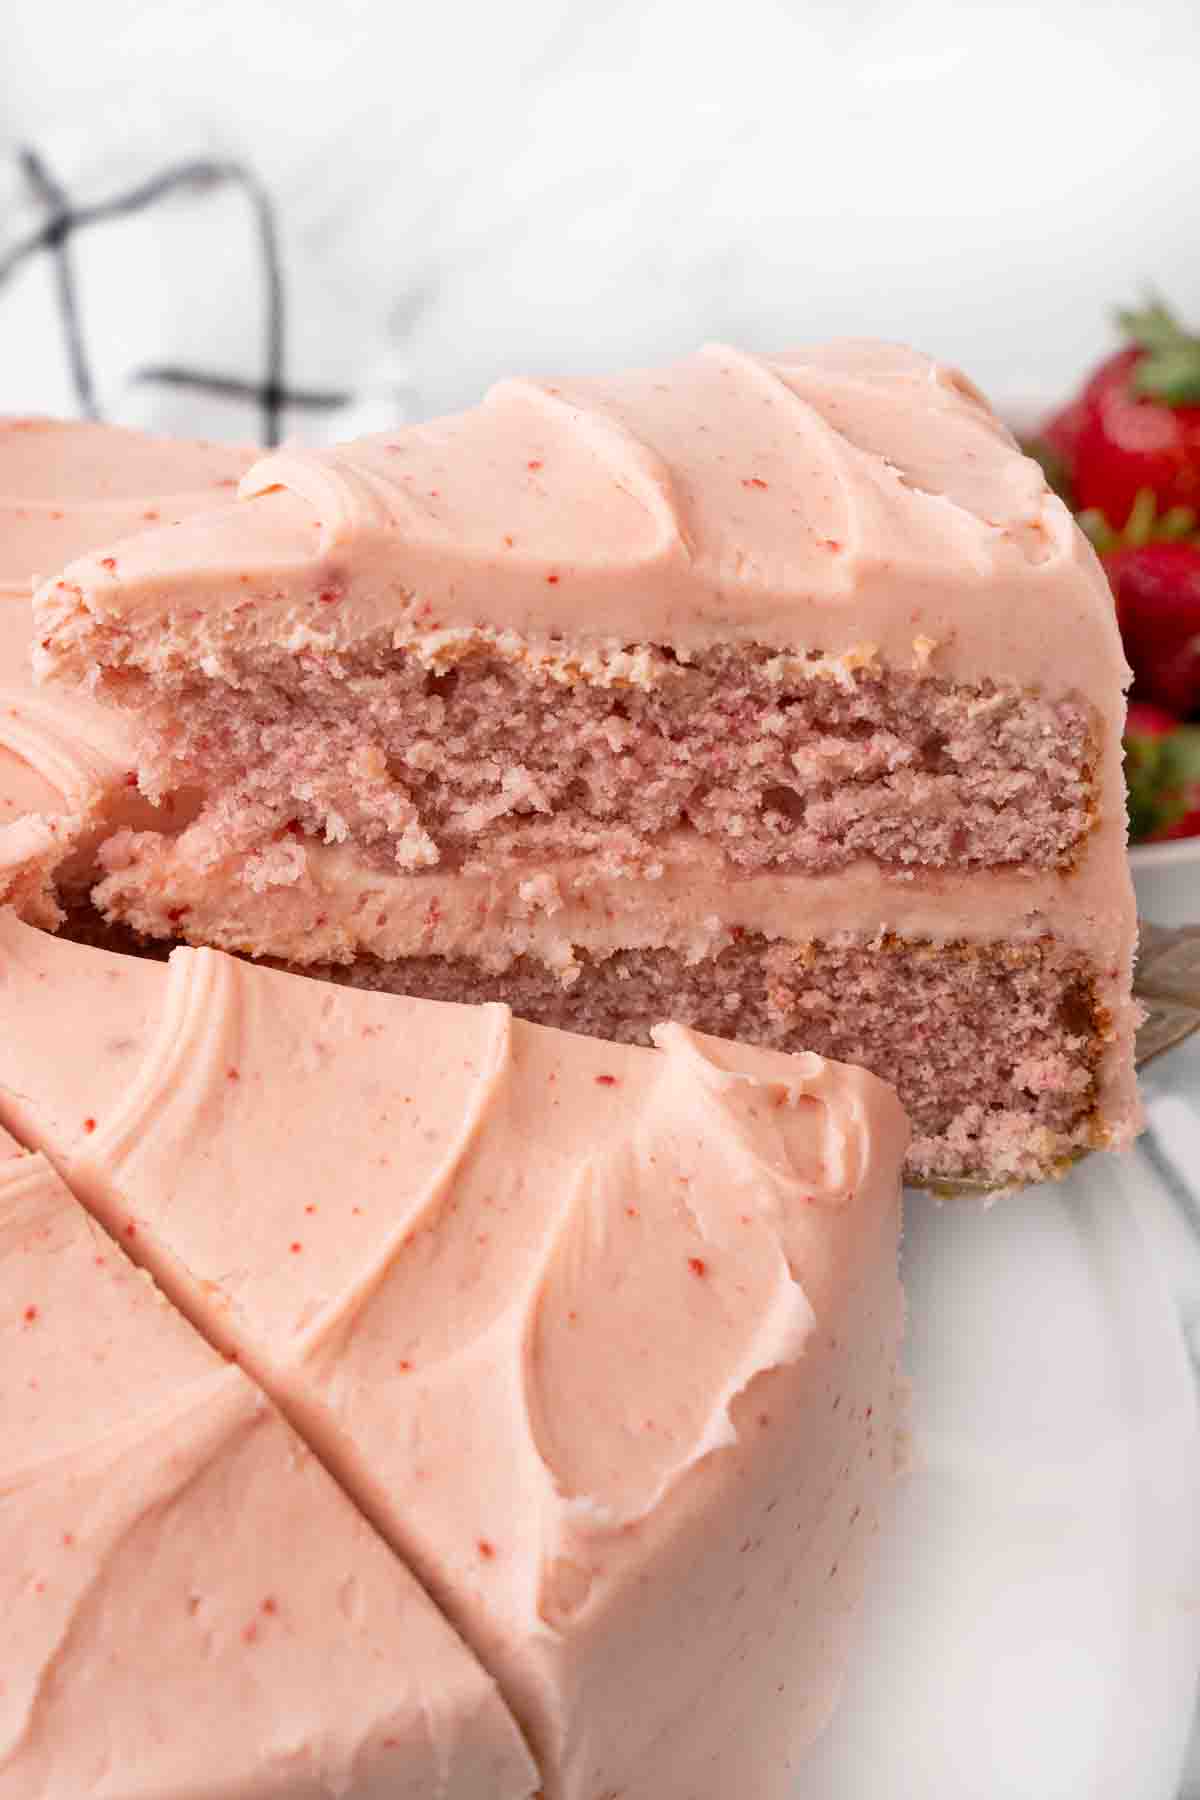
1153	326
1170	369
1170	375
1162	778
1181	756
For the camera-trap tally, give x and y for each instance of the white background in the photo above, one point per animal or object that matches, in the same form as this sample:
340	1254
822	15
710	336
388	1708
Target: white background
470	188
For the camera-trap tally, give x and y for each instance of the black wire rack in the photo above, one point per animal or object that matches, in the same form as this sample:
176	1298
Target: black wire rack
63	220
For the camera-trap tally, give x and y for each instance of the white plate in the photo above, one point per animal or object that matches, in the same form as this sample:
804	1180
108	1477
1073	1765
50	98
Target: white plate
1032	1632
1167	879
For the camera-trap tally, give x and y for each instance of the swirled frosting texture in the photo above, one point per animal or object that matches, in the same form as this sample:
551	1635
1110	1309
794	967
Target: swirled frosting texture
177	1565
848	495
603	1339
65	762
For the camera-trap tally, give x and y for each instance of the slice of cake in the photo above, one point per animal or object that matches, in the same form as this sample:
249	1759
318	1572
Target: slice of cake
603	1339
775	695
66	764
191	1607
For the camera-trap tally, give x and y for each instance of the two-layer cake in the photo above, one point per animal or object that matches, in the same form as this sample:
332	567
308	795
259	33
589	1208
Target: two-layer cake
775	695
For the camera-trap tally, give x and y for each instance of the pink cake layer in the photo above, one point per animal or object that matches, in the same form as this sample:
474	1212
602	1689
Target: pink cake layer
191	1607
812	606
993	1050
783	768
603	1339
66	764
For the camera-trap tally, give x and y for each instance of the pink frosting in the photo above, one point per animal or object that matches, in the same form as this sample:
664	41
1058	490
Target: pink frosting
603	1339
64	761
190	1604
849	495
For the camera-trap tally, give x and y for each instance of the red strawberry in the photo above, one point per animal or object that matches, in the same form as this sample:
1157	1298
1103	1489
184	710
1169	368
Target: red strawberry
1144	720
1135	425
1186	827
1162	774
1157	587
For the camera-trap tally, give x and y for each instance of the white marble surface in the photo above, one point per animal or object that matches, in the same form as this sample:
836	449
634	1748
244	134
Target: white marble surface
469	188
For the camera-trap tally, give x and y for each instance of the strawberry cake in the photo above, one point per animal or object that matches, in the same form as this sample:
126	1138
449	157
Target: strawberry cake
775	695
600	1340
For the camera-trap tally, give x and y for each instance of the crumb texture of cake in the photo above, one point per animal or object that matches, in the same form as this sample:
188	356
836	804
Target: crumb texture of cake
602	1339
782	762
67	765
176	1564
780	619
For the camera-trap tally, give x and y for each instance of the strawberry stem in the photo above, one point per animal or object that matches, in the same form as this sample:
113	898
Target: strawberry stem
1169	369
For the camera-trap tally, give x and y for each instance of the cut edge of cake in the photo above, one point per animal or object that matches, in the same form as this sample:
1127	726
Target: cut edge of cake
594	696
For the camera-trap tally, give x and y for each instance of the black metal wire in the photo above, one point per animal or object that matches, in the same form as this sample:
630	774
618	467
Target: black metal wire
63	220
57	235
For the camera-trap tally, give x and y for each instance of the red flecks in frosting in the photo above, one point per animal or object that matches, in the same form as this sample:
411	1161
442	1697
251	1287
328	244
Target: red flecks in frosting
296	1247
404	1365
108	562
606	1081
31	1313
330	596
232	1074
175	913
68	1538
131	778
533	465
131	1230
552	579
632	1212
698	1266
754	481
89	1125
311	1207
150	513
830	544
250	1632
270	1605
486	1549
